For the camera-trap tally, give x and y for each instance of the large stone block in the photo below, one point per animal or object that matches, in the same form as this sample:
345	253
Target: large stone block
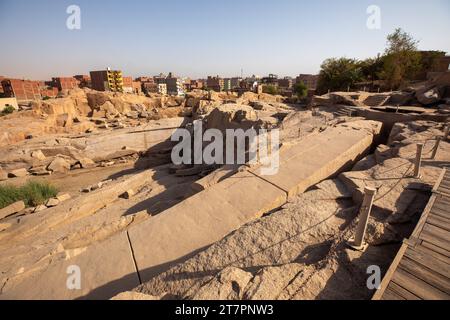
201	220
321	156
106	269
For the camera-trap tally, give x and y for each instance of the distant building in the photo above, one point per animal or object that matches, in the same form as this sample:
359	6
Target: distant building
83	81
160	88
145	79
127	84
137	87
107	80
227	84
187	84
197	84
272	79
235	83
65	83
309	80
215	83
5	102
161	78
174	85
285	83
22	90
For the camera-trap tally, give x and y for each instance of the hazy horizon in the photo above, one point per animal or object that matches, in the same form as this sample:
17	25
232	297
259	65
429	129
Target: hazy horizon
199	38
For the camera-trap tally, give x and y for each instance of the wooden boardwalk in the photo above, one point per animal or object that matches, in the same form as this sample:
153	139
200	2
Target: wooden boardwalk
421	269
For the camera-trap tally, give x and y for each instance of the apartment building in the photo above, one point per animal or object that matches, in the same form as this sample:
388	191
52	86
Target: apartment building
149	87
197	84
227	84
162	88
107	80
160	78
137	87
174	85
22	90
84	81
127	84
235	82
64	83
272	79
309	80
145	79
285	83
215	83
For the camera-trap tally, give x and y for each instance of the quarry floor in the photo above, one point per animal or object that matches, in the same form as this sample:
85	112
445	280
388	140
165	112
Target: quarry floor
293	249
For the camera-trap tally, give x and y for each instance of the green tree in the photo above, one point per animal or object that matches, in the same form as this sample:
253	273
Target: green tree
402	61
270	89
371	68
300	90
337	74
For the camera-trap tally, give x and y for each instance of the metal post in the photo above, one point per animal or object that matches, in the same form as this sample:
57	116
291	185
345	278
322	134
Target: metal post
418	161
358	241
436	147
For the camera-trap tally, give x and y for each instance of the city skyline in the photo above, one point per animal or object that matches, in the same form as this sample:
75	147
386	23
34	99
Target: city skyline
201	38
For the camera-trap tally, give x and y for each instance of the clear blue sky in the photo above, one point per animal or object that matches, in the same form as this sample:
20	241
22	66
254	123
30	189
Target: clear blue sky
200	37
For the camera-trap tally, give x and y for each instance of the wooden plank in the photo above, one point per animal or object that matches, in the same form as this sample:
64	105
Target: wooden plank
420	269
418	287
441	216
446	205
440	213
439	180
436	236
430	259
443	200
391	295
437	232
444	184
442	206
432	247
423	218
443	192
425	274
402	291
387	277
439	221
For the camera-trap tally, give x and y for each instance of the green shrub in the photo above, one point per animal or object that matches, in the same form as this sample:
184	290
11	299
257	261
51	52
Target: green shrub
32	193
46	98
8	109
301	90
270	89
